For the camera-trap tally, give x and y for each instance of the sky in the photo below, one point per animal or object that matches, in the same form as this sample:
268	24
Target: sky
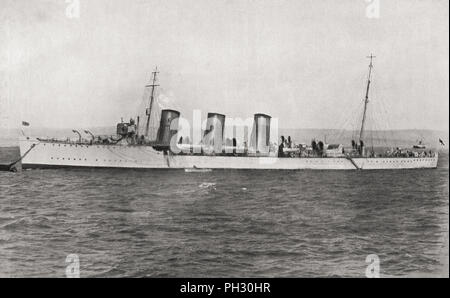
302	61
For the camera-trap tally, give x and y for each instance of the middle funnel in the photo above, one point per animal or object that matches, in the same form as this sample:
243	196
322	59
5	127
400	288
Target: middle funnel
214	132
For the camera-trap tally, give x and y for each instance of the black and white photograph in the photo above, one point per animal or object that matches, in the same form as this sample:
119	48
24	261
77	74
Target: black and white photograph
217	140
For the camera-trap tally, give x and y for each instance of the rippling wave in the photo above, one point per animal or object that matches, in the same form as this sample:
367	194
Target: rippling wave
224	223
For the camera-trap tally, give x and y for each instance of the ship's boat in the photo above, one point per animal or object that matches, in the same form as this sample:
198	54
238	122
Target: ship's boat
197	170
419	145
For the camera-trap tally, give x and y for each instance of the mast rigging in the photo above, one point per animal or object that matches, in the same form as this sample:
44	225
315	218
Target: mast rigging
366	101
149	110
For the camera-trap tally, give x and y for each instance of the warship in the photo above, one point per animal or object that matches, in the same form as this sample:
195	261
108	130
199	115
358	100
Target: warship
134	147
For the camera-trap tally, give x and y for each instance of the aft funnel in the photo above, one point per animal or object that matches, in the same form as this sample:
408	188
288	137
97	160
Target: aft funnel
262	133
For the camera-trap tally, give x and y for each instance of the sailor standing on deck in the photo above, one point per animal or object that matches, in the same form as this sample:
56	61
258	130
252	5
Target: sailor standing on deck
281	147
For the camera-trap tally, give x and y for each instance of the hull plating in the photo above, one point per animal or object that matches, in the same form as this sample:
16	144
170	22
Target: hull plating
46	154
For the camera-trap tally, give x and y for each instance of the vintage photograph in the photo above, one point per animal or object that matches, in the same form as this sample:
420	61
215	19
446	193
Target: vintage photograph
224	139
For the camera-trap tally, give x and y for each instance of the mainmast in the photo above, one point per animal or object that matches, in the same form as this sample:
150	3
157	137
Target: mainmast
366	101
149	109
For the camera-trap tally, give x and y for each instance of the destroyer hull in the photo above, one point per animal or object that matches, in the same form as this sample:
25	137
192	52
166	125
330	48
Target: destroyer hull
37	154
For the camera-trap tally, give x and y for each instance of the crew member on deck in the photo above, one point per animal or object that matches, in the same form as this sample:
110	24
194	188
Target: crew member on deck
281	147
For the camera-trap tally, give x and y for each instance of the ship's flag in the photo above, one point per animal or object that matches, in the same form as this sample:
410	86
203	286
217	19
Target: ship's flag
24	123
441	142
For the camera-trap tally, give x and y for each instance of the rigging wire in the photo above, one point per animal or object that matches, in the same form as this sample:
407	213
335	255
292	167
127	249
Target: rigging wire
155	113
347	123
388	133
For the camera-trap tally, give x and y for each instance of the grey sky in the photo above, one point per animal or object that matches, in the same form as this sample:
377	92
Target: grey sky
301	61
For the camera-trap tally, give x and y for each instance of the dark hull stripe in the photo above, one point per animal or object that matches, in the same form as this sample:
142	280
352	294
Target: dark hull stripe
46	166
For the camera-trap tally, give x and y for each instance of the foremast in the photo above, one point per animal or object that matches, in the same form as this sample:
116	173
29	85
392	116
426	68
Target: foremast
366	101
152	98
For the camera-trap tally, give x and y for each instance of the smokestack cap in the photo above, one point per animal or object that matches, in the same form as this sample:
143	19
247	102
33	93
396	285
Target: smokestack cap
262	115
170	110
